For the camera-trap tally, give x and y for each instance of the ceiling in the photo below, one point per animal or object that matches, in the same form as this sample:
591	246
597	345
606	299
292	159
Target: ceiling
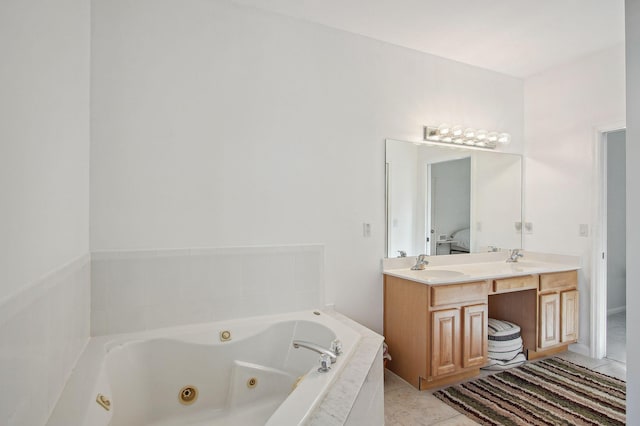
515	37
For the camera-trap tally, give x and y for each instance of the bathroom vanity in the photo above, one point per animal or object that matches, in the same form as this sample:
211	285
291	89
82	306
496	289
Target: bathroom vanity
435	320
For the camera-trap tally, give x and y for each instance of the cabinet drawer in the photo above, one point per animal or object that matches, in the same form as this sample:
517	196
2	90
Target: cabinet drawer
459	293
559	280
515	283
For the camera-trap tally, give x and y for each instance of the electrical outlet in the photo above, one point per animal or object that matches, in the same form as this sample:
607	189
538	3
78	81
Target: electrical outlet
528	227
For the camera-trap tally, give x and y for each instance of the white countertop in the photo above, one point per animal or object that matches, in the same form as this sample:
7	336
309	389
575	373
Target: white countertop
478	267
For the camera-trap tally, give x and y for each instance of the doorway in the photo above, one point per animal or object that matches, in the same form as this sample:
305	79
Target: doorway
616	276
449	206
608	296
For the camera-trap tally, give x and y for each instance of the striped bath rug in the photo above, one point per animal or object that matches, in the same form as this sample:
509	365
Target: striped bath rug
551	391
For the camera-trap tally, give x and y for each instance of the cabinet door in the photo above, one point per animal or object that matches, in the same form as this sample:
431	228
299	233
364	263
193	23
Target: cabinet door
445	342
549	320
474	336
569	316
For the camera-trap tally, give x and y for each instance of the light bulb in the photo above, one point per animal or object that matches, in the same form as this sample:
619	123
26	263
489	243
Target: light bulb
446	139
456	130
481	135
458	140
492	136
504	138
469	133
444	129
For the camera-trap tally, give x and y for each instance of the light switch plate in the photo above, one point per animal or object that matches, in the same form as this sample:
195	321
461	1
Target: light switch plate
584	230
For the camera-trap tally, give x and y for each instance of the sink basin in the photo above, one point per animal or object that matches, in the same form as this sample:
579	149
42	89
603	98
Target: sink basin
440	273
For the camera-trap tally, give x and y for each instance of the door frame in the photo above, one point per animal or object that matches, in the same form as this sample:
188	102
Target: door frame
598	327
428	216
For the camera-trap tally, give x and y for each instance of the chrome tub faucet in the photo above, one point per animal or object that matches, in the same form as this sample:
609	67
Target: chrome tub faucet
316	348
327	356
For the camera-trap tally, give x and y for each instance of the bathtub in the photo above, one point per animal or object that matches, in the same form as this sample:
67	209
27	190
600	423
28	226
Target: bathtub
241	372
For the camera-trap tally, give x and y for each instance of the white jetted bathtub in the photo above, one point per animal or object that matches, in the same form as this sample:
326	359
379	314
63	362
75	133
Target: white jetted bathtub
241	372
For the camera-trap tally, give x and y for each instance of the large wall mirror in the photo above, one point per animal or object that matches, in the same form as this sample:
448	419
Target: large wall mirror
448	200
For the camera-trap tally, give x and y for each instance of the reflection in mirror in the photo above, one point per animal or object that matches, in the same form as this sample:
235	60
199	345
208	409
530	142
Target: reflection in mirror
443	200
449	183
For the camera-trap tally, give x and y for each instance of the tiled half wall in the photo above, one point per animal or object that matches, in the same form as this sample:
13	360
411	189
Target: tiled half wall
140	290
43	330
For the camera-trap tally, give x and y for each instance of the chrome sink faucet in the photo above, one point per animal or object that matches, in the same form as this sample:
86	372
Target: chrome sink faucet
421	263
515	254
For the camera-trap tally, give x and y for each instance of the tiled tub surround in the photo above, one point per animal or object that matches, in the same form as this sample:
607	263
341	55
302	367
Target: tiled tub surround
355	386
43	329
143	290
357	396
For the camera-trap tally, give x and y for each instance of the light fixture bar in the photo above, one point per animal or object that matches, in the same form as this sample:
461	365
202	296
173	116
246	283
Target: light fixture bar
461	136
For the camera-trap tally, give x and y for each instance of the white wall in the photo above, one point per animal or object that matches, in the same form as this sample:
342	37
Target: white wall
563	108
632	25
44	202
215	124
616	222
44	149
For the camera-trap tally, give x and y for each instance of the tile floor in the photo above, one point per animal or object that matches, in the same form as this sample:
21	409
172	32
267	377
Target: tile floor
406	406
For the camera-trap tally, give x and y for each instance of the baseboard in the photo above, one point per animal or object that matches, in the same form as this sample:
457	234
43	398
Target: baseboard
616	310
580	348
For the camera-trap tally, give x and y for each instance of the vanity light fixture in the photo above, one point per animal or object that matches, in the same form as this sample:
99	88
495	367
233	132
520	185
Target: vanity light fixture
460	135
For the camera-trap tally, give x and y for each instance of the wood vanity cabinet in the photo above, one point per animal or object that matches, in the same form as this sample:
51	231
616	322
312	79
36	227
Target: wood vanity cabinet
438	332
459	339
558	309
